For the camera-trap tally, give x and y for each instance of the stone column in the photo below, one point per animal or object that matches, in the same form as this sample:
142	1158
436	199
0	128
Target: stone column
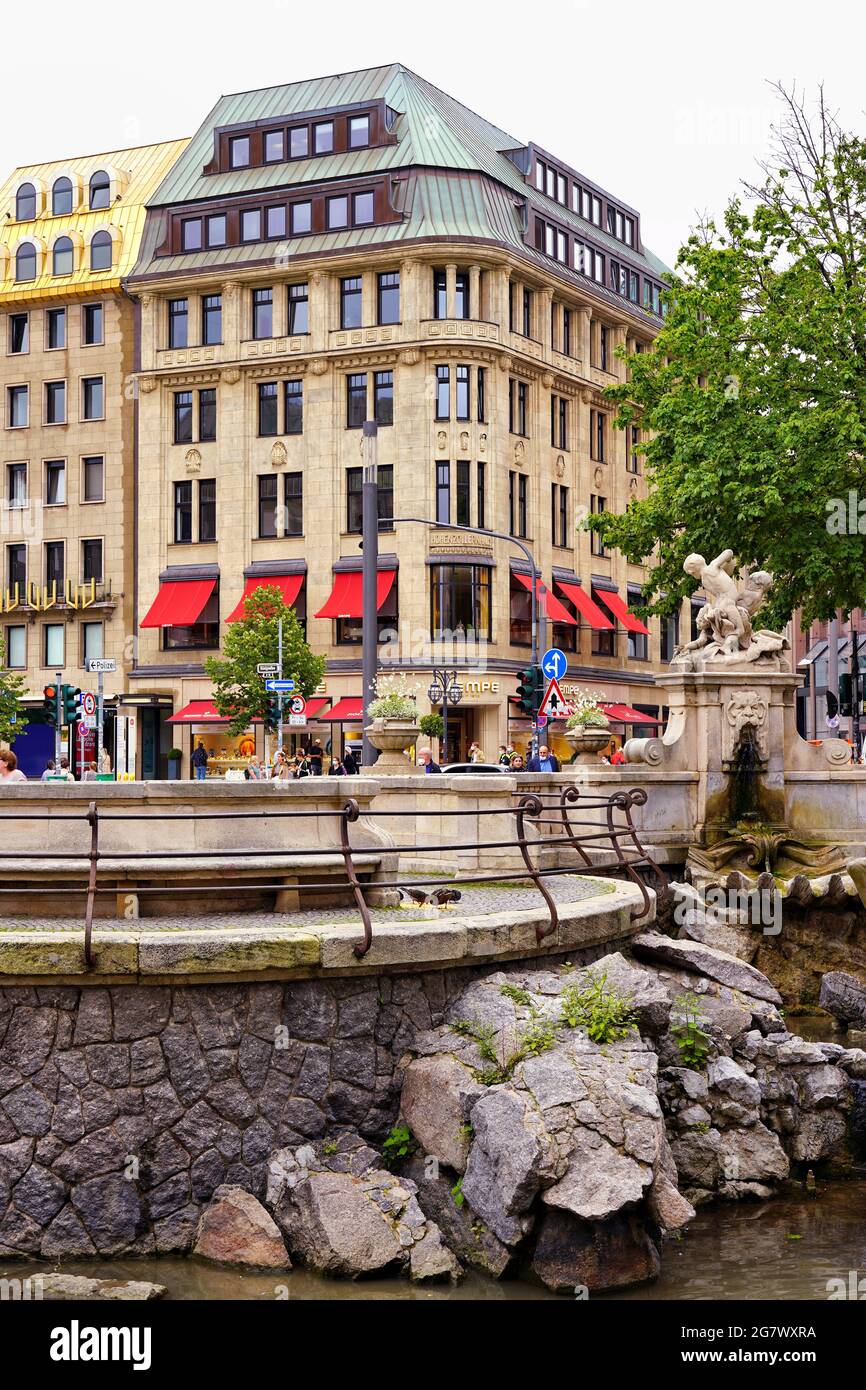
475	291
233	296
545	299
323	294
149	306
584	325
450	290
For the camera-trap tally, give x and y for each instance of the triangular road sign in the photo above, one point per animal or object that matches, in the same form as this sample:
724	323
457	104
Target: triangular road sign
554	704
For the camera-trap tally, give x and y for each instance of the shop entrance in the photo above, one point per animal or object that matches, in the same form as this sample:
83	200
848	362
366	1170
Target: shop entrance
462	724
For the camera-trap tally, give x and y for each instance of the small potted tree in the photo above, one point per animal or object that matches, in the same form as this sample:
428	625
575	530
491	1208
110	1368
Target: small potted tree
433	726
394	728
175	758
587	730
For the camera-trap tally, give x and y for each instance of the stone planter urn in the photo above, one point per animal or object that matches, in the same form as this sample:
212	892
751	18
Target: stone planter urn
391	737
587	740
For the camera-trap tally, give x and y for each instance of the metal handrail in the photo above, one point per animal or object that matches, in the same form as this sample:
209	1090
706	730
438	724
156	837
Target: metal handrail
533	809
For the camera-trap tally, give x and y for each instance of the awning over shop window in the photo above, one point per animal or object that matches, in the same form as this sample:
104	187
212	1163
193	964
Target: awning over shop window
315	707
556	611
619	609
289	585
586	606
198	712
624	714
346	599
179	603
349	710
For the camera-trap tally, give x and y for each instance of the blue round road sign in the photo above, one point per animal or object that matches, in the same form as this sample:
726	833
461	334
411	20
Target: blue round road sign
554	664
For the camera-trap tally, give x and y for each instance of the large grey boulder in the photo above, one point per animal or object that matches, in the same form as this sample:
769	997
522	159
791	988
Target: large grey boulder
599	1180
700	959
506	1161
438	1095
235	1229
463	1231
844	996
752	1155
577	1257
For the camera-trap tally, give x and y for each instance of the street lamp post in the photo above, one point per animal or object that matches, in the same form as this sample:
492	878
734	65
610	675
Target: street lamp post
444	691
856	686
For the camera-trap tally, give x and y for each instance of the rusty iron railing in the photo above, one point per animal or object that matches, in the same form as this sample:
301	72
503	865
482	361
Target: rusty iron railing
605	828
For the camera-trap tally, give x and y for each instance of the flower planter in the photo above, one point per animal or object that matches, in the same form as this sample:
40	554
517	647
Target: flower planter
391	737
588	741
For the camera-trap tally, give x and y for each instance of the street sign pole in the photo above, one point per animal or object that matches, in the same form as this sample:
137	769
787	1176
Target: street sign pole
370	566
58	715
100	710
280	693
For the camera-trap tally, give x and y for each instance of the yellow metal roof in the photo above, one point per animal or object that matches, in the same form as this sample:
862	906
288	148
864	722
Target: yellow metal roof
134	175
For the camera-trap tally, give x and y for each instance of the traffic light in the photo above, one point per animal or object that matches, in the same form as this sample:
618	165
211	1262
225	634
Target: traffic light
530	689
52	702
845	695
272	713
71	703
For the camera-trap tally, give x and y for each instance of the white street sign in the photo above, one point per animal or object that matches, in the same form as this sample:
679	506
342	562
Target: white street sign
268	668
88	721
102	663
297	705
88	702
299	719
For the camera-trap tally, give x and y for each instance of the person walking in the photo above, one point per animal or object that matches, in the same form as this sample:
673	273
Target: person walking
199	761
350	763
316	756
9	769
544	762
282	771
425	760
475	754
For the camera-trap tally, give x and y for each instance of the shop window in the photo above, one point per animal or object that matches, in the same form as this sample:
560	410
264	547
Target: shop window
349	631
603	642
203	634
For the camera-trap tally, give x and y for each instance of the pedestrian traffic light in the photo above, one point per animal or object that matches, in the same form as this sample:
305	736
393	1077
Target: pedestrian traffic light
530	689
272	713
845	695
52	702
71	698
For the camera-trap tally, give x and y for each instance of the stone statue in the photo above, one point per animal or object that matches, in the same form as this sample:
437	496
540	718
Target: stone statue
726	635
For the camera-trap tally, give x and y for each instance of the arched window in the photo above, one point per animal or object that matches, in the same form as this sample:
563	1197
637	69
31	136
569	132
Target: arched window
100	189
25	262
100	251
63	256
25	202
61	196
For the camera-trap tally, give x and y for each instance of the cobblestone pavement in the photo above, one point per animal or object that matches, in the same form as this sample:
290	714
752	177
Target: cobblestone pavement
483	900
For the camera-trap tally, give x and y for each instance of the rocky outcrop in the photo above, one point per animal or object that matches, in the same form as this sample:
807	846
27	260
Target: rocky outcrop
844	997
57	1287
235	1229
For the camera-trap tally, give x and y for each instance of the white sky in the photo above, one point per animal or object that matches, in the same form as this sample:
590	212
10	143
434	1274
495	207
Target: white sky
665	102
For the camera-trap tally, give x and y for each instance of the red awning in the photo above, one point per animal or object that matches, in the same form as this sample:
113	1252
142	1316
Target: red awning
619	610
349	710
179	603
198	712
346	599
585	606
624	714
289	585
315	707
556	611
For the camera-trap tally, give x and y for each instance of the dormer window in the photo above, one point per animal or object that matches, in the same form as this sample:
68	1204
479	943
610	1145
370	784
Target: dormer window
100	251
251	224
275	146
299	142
63	256
100	190
25	203
239	152
61	197
363	209
338	213
216	230
301	218
323	135
359	132
191	234
25	262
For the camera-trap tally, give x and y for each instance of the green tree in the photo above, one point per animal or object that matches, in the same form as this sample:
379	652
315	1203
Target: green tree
239	691
12	689
755	390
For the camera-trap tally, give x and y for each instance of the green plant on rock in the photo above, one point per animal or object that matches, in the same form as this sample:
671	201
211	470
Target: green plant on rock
330	1146
539	1036
457	1193
514	992
597	1007
691	1039
399	1144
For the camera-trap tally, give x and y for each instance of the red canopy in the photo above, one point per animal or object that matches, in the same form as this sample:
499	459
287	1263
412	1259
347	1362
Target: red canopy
556	611
625	714
289	585
346	599
198	712
179	603
618	608
585	605
349	710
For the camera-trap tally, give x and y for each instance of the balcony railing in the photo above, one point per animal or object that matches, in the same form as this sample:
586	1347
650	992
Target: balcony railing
71	593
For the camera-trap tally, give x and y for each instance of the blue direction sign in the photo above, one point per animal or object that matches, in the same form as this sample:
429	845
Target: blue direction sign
554	664
280	687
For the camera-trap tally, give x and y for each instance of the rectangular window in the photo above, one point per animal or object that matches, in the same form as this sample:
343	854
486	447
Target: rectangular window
207	509
16	484
93	478
517	505
356	400
216	231
527	313
55	402
602	346
597	435
19	332
359	132
517	406
17	406
461	295
302	218
460	601
299	316
634	455
443	393
522	517
92	398
263	313
363	210
178	323
670	636
463	493
16	647
389	297
604	641
203	633
481	501
92	325
386	498
53	653
559	515
440	294
55	482
190	234
596	544
207	415
337	213
351	300
354	500
383	398
56	324
183	417
293	396
251	224
91	561
443	494
55	564
275	221
91	642
294	495
323	137
268	408
211	319
239	152
268	483
16	566
299	142
275	146
480	398
462	393
637	641
182	513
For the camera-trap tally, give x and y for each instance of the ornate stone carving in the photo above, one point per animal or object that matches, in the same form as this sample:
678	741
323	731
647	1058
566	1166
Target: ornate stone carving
464	441
145	300
229	291
745	708
146	384
632	486
318	366
278	454
482	443
587	395
598	477
409	356
726	636
442	438
547	380
559	467
505	362
192	459
230	375
519	453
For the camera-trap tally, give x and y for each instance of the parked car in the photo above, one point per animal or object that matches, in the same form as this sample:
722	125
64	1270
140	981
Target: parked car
452	768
